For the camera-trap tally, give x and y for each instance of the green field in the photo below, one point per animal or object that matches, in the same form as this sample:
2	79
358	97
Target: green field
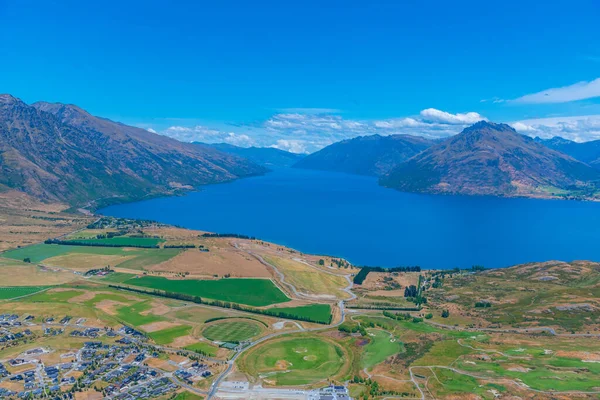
117	277
381	346
132	314
123	241
204	348
53	297
166	336
316	312
139	258
187	396
252	292
18	291
294	361
232	331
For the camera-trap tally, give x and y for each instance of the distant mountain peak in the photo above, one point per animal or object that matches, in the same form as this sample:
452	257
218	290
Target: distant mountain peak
492	159
373	155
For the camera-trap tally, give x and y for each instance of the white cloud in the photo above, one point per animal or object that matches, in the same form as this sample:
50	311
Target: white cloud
307	132
580	129
293	146
578	91
433	115
201	133
151	130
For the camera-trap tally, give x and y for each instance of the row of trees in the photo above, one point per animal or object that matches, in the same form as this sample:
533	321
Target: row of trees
225	304
227	235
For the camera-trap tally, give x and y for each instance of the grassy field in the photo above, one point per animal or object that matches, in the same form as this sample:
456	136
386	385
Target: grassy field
132	315
18	273
252	292
187	396
199	314
51	296
123	241
88	257
294	360
231	331
381	346
18	291
316	312
204	348
166	336
557	294
309	280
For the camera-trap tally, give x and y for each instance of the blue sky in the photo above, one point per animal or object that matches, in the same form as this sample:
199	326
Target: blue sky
301	74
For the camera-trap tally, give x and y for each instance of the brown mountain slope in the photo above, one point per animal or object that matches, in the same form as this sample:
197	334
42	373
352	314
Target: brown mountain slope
366	155
60	152
493	159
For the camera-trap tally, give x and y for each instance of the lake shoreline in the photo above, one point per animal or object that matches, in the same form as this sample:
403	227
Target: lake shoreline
354	218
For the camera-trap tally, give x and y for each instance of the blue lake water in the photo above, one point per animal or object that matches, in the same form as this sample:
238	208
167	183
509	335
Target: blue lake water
352	217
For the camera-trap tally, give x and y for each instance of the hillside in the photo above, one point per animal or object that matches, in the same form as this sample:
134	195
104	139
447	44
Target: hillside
493	159
59	152
587	152
268	157
366	155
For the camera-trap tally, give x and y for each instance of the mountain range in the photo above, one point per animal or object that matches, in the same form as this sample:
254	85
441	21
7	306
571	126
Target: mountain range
587	152
60	152
366	155
492	159
268	157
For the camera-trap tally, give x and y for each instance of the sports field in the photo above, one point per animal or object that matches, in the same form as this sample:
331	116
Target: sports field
252	292
231	331
294	360
18	291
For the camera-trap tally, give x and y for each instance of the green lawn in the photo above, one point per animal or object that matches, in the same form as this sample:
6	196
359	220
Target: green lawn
232	331
204	348
131	314
18	291
166	336
381	346
252	292
317	312
294	361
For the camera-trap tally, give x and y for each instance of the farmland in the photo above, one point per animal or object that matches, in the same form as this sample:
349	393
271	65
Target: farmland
89	257
119	241
315	312
252	292
18	291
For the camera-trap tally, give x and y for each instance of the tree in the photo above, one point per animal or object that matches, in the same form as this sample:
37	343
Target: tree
445	314
27	260
321	262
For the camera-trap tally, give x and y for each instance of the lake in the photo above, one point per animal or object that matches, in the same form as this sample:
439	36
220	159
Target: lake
351	216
